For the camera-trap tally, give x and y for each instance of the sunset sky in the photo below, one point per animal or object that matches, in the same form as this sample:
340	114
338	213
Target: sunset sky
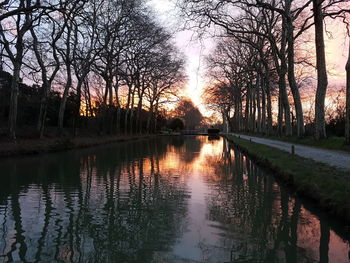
195	50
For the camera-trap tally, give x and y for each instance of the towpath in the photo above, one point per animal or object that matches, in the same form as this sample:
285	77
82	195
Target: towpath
335	158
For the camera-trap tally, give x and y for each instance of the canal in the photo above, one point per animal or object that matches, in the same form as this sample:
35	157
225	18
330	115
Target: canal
168	199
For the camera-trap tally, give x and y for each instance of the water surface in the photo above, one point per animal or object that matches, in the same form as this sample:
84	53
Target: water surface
170	199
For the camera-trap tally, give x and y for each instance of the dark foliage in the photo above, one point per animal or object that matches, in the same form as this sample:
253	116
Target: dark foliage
336	127
176	124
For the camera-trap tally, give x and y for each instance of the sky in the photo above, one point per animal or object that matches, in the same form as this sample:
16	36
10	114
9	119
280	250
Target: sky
196	50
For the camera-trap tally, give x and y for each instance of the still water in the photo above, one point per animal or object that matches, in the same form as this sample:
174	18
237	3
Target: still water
170	199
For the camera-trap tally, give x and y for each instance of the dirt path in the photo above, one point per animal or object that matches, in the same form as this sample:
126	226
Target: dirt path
338	159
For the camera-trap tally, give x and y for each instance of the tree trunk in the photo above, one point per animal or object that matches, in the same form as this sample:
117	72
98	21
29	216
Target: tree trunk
46	85
266	89
253	121
118	119
291	73
236	116
89	110
322	80
132	112
14	100
150	114
238	109
224	121
258	103
269	111
228	117
64	101
126	120
77	106
347	116
280	113
239	114
116	90
282	81
286	106
43	108
105	97
155	115
246	128
324	242
21	28
138	116
110	90
263	108
67	61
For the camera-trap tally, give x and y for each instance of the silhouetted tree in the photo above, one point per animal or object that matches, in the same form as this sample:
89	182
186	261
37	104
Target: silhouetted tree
186	110
176	124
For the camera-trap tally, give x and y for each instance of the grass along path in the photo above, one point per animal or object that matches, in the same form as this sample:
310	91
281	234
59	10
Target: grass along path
327	186
331	143
339	159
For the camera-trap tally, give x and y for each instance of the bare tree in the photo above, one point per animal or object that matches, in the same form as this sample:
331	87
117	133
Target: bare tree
289	16
164	82
251	22
49	64
347	115
322	79
71	44
15	49
85	50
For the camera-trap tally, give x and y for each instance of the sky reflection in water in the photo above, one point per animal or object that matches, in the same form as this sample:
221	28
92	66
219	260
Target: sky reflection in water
170	199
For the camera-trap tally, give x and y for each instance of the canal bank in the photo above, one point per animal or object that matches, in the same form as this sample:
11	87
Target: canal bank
46	145
325	185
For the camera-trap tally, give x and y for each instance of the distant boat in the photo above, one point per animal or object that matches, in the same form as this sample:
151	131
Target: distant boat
213	131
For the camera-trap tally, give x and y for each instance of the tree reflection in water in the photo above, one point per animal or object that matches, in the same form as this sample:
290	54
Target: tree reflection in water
172	199
265	222
108	205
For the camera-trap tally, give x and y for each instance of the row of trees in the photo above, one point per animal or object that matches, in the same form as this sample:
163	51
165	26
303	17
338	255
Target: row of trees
110	56
255	62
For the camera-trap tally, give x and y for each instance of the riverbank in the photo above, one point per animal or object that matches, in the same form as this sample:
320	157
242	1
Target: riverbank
331	143
327	186
45	145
